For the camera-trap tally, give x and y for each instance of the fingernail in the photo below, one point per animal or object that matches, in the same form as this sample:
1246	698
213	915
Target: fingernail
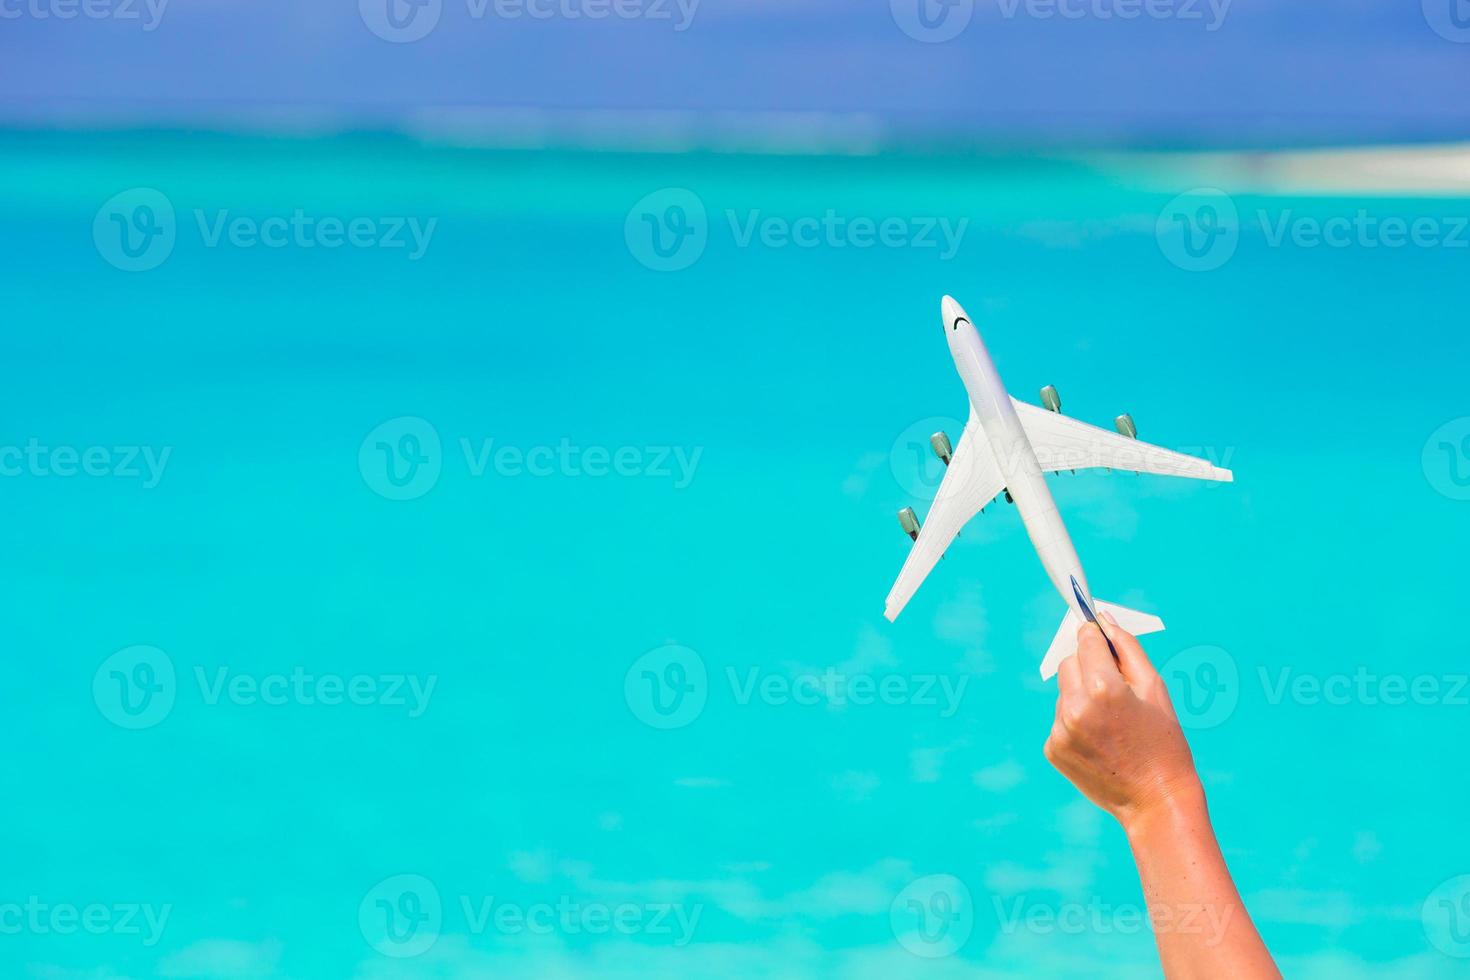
1108	616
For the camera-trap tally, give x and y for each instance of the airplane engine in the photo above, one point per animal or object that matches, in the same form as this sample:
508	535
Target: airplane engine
942	448
1050	400
1124	424
909	521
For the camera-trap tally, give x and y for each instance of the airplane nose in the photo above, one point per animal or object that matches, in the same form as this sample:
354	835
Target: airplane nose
951	312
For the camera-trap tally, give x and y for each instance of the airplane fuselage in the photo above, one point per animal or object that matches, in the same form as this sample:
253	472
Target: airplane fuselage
1016	459
1009	446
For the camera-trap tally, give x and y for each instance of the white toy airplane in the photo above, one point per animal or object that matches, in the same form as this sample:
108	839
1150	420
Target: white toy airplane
1007	446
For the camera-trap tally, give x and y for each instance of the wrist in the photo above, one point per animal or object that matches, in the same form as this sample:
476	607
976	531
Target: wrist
1174	809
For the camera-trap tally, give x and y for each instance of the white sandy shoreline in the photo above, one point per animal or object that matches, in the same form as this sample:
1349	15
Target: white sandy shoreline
1420	171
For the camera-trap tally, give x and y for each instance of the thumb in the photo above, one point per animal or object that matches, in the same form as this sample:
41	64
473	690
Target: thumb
1133	662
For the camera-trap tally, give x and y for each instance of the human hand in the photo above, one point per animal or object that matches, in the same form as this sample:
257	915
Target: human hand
1116	737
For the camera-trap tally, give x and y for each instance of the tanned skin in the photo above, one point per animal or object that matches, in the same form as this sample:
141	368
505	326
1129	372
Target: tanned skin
1118	740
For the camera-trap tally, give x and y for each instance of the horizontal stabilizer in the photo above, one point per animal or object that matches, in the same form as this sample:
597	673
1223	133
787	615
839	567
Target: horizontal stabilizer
1064	644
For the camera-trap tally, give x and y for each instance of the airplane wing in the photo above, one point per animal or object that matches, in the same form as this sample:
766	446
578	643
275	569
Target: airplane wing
1063	443
971	481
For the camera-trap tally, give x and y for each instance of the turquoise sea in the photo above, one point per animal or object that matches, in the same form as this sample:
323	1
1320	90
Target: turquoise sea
439	562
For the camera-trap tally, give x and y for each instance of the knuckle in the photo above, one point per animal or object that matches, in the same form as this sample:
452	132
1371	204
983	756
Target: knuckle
1058	743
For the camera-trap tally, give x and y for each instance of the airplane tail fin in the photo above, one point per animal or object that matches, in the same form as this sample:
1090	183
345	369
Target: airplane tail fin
1064	644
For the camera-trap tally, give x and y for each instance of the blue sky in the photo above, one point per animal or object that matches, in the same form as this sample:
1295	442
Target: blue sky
1249	72
467	648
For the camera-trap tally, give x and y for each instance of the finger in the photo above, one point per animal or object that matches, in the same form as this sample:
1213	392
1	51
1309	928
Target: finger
1098	666
1055	746
1134	663
1069	679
